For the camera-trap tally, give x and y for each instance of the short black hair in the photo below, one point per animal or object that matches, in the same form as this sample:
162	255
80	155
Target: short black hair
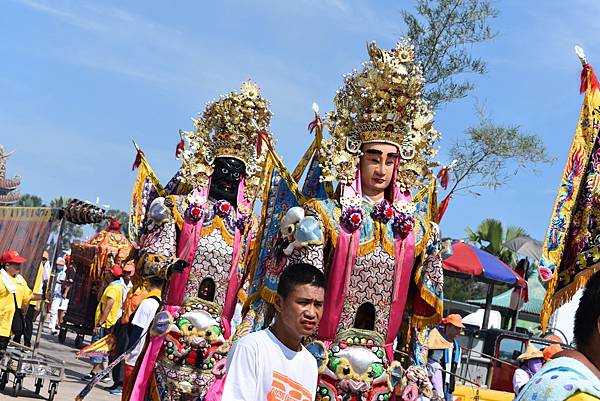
156	281
588	312
299	274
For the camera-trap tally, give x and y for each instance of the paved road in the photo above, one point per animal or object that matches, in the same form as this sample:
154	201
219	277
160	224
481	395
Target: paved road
72	384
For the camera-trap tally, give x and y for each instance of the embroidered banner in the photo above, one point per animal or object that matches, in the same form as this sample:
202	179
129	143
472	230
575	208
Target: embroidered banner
571	250
145	188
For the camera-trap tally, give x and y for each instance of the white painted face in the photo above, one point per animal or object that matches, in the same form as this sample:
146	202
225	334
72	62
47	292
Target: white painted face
377	167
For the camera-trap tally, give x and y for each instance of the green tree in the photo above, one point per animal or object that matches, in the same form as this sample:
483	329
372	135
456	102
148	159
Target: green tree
71	231
490	155
444	33
491	236
120	215
28	200
457	289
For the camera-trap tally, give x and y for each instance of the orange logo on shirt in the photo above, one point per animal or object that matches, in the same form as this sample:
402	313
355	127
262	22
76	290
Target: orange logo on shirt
285	389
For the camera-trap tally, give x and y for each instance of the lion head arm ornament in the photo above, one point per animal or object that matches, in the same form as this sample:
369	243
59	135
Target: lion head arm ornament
300	230
355	363
196	324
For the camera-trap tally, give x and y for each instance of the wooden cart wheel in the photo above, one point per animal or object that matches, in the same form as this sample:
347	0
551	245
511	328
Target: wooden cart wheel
3	380
52	391
17	386
39	383
62	335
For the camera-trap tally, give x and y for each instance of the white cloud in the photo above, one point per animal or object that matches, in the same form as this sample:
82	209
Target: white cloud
339	4
129	44
64	15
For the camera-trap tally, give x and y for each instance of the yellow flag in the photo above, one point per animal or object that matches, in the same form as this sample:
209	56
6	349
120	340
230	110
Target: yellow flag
570	253
146	184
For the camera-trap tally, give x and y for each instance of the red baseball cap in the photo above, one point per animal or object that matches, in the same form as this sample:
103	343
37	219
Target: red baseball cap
116	270
12	256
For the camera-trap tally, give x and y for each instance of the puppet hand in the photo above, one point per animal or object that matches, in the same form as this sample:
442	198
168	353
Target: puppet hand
410	393
178	266
219	369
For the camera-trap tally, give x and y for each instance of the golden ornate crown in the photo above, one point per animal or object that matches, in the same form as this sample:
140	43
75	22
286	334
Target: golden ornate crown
231	126
382	103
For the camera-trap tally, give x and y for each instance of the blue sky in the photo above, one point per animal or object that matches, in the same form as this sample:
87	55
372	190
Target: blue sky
79	80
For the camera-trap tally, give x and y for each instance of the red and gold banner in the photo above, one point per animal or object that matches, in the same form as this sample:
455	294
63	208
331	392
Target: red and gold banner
571	250
26	229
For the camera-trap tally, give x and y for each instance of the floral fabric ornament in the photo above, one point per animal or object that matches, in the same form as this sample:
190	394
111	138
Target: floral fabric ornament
193	213
241	222
223	208
352	218
383	211
403	224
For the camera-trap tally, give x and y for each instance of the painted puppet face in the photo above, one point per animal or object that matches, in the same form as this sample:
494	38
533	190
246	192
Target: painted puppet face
226	179
377	167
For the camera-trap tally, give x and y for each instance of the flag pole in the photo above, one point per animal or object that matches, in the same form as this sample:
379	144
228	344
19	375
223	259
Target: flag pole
581	55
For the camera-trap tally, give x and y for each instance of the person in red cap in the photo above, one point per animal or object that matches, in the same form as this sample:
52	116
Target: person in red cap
450	361
34	306
108	313
114	225
15	294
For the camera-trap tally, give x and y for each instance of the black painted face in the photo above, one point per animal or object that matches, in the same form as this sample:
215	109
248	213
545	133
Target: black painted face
226	178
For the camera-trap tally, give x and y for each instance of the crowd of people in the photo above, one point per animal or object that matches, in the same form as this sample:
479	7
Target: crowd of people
117	311
328	292
553	373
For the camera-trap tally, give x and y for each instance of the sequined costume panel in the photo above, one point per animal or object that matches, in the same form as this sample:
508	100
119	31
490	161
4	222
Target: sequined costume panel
311	254
370	281
433	273
212	260
161	240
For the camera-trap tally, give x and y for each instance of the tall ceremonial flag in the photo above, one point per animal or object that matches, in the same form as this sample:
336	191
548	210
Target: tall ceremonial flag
145	188
571	250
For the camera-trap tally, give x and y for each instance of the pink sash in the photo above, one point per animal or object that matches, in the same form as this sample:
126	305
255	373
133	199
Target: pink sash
147	366
340	272
234	278
404	262
186	249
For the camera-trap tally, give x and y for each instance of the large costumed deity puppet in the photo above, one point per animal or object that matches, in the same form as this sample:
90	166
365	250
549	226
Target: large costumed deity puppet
202	220
377	244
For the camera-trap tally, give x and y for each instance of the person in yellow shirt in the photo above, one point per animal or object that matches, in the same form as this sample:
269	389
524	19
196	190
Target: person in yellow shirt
34	309
108	313
15	294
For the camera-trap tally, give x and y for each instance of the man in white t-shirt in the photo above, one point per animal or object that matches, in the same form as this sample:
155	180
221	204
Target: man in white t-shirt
139	323
273	364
